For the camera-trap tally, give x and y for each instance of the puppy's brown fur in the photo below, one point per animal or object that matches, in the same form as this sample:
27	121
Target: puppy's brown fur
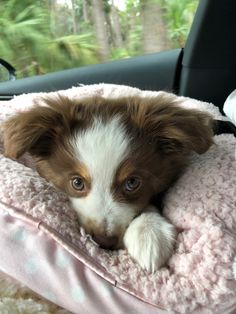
162	135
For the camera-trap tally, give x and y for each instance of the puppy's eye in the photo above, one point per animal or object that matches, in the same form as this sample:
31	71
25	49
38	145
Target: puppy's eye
78	183
132	184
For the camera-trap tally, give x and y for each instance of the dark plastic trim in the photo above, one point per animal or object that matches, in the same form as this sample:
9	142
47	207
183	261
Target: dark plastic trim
209	61
153	71
11	70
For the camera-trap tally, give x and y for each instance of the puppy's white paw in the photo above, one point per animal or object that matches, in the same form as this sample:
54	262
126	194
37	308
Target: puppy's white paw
150	240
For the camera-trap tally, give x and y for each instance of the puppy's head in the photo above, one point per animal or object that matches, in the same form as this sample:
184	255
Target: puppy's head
110	156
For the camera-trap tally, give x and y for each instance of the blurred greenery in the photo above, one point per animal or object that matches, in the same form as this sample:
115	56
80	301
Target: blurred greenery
42	36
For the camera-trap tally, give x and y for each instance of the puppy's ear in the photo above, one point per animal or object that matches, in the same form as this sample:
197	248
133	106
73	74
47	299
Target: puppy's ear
36	130
173	128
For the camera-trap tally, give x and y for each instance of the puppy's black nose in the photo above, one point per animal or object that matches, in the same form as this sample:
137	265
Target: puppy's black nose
106	242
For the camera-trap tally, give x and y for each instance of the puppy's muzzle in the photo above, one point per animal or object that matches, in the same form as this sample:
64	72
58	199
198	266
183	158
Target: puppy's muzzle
106	242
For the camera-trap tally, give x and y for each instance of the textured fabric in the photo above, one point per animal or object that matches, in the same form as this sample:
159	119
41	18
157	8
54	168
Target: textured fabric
16	298
58	276
202	205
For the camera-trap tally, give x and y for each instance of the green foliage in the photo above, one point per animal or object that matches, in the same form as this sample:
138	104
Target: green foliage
179	15
119	53
39	36
28	42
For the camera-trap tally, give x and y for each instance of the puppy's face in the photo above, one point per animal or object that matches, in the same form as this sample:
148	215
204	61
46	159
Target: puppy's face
111	157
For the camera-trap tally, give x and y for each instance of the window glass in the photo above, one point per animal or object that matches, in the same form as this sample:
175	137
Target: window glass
43	36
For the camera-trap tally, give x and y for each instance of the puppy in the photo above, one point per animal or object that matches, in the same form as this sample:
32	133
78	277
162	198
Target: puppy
112	157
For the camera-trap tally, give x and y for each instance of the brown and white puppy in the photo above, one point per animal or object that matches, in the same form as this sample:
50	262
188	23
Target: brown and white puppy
112	157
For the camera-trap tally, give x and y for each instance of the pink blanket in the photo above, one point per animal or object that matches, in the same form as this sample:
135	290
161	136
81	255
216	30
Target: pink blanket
39	234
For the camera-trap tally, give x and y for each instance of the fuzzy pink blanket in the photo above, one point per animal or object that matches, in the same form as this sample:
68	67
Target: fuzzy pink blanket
202	205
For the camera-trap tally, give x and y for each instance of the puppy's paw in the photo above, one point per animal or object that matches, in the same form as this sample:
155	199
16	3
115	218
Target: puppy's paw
150	240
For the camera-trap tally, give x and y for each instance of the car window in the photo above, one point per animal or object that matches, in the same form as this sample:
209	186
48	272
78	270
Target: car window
39	37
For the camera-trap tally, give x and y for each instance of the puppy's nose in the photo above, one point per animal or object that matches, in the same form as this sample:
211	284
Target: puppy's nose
106	242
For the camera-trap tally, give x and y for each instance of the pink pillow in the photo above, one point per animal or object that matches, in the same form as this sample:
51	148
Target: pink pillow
41	243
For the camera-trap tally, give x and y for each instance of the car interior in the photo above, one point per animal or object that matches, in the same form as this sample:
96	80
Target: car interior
204	69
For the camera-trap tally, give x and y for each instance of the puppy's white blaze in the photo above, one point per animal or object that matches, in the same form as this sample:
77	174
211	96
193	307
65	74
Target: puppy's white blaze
150	240
102	148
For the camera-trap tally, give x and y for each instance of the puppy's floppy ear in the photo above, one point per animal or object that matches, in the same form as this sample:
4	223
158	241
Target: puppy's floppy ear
36	130
174	128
